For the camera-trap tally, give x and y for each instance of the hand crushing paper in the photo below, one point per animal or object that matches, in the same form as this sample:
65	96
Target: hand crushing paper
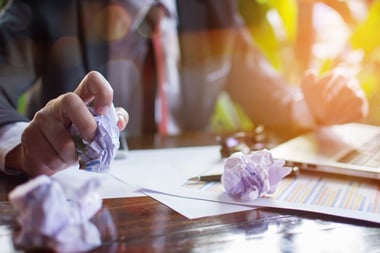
50	128
98	154
56	217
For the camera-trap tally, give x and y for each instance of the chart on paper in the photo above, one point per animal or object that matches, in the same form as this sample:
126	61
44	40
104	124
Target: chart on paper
315	194
333	193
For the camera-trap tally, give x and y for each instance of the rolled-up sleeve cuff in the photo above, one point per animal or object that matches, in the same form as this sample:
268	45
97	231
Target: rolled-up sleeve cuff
10	137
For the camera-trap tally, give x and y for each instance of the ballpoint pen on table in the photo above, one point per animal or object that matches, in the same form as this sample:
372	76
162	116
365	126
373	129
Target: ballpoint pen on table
217	177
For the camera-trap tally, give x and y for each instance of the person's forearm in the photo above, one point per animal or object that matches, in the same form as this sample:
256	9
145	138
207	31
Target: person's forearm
301	113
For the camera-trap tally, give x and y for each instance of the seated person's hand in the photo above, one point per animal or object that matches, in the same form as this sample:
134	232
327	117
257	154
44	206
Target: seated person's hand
47	145
334	98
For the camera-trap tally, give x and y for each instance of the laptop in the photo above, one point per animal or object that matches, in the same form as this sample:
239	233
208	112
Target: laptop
349	149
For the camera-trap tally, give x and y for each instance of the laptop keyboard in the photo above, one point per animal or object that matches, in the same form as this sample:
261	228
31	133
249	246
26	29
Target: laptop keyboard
367	155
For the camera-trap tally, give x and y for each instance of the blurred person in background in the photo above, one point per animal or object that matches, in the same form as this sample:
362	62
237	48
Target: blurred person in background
68	54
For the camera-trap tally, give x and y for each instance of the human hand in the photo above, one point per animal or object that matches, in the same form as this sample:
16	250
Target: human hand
46	143
334	98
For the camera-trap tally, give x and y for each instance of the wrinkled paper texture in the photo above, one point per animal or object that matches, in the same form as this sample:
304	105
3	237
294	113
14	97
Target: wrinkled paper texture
97	155
249	176
56	217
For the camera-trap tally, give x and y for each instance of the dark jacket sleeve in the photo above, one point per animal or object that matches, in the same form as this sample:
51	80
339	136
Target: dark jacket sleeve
17	61
40	53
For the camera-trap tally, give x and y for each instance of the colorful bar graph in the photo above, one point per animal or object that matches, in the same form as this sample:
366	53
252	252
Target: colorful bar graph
363	196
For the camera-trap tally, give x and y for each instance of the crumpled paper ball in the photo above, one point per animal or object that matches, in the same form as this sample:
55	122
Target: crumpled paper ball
249	176
97	155
56	217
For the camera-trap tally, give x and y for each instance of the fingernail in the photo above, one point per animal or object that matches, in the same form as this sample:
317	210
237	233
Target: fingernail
101	110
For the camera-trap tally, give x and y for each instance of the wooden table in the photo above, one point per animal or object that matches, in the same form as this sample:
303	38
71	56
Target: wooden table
141	224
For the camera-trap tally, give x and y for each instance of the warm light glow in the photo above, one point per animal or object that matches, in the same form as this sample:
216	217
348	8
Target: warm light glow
331	32
118	22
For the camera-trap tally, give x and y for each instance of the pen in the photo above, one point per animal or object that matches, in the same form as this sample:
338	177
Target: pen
217	177
207	178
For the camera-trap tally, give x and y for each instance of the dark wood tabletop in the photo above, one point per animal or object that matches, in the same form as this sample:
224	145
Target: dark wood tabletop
142	224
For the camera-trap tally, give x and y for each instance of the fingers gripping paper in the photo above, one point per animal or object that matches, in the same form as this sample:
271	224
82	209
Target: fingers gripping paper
97	155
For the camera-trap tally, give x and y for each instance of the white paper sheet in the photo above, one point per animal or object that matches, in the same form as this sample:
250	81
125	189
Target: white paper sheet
111	187
168	167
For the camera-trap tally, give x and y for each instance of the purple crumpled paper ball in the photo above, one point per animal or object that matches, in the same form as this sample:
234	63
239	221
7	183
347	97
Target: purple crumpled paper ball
97	155
249	176
56	217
